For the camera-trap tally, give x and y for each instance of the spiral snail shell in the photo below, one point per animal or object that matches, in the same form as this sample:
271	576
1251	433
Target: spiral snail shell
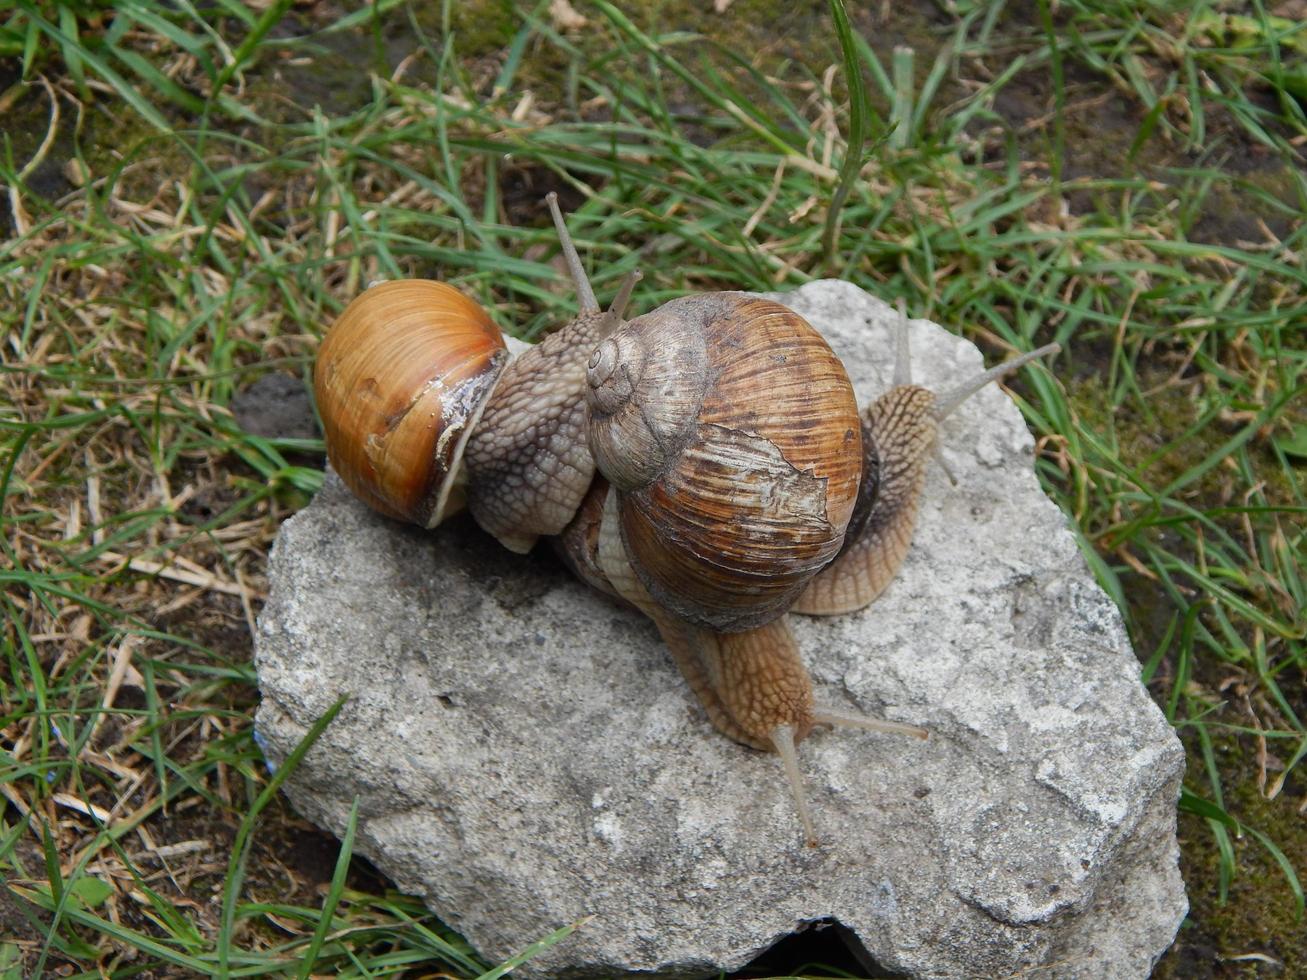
730	430
401	380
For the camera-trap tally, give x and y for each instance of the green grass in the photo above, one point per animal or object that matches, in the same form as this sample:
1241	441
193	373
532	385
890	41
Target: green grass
213	228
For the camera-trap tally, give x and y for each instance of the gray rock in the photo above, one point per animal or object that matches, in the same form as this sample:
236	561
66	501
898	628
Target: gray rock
525	753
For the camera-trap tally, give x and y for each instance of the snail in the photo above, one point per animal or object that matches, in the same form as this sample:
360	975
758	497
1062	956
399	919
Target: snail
705	462
740	483
424	413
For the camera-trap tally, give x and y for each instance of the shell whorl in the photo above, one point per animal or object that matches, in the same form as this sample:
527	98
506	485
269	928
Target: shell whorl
730	430
611	375
645	387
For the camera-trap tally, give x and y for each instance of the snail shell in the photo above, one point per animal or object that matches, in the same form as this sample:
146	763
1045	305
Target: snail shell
730	431
401	378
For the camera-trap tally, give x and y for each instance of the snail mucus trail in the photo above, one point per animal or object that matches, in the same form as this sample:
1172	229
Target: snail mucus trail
705	462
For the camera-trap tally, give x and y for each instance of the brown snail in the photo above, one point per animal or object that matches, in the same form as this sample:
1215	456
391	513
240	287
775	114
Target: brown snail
736	479
709	521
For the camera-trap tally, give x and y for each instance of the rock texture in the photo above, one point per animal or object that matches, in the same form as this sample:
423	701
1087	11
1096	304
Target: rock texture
525	754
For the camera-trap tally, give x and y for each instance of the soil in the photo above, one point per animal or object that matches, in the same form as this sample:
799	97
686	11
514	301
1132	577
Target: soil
277	406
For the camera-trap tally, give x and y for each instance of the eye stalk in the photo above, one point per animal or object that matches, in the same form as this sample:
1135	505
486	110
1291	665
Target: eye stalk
585	296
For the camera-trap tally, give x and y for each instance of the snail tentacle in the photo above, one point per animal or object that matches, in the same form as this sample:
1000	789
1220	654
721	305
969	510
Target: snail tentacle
902	351
937	454
850	719
528	461
782	737
948	402
585	296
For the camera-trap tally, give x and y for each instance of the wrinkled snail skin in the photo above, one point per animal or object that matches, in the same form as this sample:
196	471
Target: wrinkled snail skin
578	544
528	462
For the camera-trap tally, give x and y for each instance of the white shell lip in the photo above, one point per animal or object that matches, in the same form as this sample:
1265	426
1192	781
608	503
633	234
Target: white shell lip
462	412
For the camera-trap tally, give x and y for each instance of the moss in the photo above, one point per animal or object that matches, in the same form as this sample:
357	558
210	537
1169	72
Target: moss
1259	918
480	27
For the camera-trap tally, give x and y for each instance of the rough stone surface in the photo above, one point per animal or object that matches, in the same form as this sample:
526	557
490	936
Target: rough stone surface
525	753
